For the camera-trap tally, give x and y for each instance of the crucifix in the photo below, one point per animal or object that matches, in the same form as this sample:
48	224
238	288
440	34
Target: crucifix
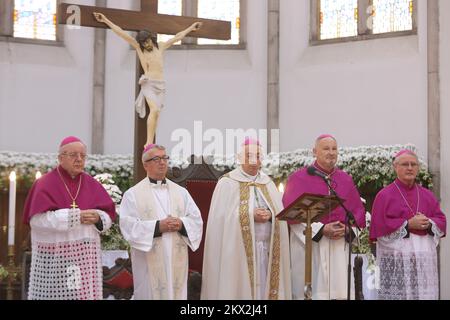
147	18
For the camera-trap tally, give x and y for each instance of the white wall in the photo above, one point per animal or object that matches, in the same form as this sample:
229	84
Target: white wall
364	92
445	142
45	92
375	87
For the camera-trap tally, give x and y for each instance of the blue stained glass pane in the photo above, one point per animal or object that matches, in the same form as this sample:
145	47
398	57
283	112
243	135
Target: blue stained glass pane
392	15
338	19
35	19
221	10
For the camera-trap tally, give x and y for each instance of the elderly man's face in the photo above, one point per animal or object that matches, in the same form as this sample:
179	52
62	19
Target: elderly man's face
72	158
155	165
406	167
326	153
251	159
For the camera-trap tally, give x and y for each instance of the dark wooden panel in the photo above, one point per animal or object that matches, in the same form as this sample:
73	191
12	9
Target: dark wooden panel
149	6
160	23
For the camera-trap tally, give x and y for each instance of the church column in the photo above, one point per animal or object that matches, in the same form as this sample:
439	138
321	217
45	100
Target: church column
434	95
98	108
273	73
6	18
434	121
444	72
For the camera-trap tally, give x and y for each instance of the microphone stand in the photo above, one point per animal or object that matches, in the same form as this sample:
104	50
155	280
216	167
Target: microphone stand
349	220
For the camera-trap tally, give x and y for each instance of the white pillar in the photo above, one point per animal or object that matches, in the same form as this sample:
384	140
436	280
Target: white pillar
444	70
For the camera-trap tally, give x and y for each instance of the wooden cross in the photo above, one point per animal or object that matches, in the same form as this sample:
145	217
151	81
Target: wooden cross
147	18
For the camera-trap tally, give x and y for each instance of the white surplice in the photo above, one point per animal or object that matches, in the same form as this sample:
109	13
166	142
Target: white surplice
66	260
138	229
408	266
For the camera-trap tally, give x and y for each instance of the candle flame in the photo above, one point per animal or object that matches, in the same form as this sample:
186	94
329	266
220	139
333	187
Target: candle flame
12	176
281	188
38	175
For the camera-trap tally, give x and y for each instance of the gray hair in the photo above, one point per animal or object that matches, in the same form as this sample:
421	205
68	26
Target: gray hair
145	155
396	160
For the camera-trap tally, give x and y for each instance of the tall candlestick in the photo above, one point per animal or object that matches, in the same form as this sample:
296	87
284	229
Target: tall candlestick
12	208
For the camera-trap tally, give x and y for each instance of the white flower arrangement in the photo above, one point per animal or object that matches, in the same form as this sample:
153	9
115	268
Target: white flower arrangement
106	179
112	239
369	166
27	164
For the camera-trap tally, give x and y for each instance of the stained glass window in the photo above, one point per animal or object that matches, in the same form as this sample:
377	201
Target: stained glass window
392	15
221	10
172	7
338	18
35	19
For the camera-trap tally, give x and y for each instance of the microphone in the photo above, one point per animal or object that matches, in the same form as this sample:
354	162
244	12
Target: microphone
313	171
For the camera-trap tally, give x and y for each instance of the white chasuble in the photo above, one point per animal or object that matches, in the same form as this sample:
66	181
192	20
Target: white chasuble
244	259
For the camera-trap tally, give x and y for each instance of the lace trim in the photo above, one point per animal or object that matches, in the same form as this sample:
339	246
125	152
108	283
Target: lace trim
74	218
408	276
104	223
438	234
396	235
69	270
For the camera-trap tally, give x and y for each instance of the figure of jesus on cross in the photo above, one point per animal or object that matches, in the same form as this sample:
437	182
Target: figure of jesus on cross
152	83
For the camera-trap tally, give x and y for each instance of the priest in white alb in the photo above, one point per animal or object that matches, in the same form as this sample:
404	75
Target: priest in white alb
246	254
160	220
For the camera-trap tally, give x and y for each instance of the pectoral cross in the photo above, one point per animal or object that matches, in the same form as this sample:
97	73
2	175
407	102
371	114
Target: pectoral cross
74	205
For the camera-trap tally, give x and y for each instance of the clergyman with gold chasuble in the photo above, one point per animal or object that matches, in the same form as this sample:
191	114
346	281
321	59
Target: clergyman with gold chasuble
67	211
246	255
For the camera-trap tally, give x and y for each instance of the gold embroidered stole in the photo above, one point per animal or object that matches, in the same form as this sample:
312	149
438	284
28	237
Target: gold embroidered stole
247	236
158	278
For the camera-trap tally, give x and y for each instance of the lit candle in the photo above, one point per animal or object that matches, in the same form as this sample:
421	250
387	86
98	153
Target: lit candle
281	188
12	208
38	175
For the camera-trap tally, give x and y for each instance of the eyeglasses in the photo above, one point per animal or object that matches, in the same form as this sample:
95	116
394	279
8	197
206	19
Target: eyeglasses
158	159
75	155
407	164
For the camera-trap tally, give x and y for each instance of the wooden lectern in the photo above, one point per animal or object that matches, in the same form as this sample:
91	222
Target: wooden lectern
308	208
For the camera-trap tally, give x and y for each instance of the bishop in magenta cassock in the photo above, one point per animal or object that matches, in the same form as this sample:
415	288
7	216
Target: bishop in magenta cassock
67	210
330	252
406	224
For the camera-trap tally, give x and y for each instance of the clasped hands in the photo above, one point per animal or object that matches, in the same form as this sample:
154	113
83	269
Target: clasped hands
170	224
262	215
90	216
334	230
419	222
